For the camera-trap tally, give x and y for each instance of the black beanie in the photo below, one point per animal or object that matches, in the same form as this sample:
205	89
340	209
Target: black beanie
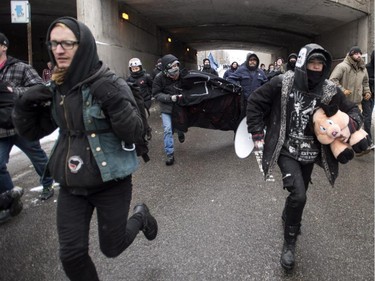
167	60
4	40
318	56
354	50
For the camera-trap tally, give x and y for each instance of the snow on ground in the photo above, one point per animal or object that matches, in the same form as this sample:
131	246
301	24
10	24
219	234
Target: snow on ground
51	137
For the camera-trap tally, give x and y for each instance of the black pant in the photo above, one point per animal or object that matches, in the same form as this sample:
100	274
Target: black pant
367	107
116	233
296	178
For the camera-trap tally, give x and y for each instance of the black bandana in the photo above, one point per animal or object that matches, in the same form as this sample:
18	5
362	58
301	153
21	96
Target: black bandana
314	78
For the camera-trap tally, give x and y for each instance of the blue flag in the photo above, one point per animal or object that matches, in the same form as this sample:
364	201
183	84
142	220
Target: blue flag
213	62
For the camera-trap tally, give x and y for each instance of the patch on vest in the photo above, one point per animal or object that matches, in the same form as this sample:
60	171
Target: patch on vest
75	164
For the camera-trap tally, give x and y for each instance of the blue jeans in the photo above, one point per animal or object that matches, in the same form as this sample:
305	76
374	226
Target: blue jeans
32	149
367	107
168	133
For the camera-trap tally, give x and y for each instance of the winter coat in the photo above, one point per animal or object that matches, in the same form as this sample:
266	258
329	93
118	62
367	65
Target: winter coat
249	80
210	70
163	88
350	75
20	76
98	122
92	148
142	80
229	72
268	105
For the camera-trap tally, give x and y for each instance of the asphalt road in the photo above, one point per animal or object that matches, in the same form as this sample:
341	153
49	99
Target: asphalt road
218	220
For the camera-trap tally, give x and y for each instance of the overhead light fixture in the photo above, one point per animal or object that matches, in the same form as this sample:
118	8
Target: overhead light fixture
125	16
169	39
188	49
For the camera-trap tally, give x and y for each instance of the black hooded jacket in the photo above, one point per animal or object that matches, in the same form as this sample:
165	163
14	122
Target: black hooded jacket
143	81
270	107
289	66
94	118
370	72
248	79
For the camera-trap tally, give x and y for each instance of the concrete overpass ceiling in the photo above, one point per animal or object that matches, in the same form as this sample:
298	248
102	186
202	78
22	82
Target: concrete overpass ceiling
256	24
43	12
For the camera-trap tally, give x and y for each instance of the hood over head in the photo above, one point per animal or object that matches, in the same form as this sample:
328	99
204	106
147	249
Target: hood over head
232	65
251	55
85	60
300	78
290	65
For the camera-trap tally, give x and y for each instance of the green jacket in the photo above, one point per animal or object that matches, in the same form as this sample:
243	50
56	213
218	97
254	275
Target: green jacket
350	75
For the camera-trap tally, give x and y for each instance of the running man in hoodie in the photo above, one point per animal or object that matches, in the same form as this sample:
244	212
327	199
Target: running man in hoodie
285	106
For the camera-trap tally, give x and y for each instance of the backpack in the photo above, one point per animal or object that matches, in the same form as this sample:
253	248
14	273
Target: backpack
141	147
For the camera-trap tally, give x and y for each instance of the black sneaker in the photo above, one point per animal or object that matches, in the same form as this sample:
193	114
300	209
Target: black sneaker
47	192
181	137
150	225
170	160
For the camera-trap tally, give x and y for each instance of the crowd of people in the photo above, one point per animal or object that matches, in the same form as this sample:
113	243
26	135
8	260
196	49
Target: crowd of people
99	122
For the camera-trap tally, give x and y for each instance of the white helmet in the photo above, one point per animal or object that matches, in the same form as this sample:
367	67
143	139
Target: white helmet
135	62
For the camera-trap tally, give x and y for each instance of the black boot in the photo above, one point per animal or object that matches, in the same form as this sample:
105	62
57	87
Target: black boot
10	204
10	196
150	225
288	253
181	137
170	160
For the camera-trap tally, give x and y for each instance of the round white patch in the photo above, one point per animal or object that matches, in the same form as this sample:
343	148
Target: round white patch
75	164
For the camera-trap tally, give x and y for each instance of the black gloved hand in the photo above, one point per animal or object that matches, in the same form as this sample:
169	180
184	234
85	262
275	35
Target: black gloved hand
36	96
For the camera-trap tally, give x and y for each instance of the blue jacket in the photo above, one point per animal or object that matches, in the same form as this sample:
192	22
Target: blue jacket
249	80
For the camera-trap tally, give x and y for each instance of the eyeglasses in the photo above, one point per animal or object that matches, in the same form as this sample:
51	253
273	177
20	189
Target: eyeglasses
66	44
